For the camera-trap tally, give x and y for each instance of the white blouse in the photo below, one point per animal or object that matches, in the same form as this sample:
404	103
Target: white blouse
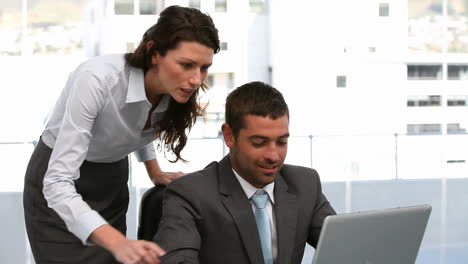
99	117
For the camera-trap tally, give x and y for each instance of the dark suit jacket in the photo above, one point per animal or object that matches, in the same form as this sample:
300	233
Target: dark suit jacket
207	218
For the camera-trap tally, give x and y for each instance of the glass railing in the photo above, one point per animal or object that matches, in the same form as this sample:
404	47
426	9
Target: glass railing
359	172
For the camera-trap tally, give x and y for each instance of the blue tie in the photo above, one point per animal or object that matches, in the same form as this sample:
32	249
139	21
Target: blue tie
260	199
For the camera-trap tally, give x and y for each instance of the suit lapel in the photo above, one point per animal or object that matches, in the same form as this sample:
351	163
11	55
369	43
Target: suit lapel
286	218
239	206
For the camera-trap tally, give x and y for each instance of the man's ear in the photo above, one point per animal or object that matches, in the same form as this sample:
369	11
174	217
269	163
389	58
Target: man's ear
154	56
228	135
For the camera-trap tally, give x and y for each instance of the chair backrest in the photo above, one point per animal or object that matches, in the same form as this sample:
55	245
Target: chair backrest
150	212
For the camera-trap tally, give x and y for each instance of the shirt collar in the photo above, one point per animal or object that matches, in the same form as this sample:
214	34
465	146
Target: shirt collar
250	190
136	90
163	104
136	86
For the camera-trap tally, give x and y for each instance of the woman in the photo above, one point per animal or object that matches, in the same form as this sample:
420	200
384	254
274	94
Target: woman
76	194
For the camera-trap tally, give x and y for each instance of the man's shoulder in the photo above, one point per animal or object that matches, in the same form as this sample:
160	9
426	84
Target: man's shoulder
203	179
289	170
299	177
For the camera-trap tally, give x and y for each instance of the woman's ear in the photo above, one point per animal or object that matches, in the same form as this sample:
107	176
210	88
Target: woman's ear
154	57
149	45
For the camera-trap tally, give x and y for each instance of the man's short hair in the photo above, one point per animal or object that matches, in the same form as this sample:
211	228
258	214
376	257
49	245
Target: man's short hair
254	98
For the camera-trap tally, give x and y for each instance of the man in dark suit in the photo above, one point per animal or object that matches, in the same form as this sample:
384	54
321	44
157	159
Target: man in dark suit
212	216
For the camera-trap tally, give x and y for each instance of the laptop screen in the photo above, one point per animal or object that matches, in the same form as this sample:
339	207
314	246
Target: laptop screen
373	237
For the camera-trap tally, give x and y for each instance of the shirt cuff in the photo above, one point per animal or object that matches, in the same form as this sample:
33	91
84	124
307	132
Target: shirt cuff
146	153
87	223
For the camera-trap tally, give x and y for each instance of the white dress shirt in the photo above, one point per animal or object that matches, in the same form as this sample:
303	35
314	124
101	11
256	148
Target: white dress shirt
99	117
250	190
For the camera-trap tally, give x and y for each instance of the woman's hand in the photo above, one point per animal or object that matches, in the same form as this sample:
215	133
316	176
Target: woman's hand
137	251
159	177
125	250
165	178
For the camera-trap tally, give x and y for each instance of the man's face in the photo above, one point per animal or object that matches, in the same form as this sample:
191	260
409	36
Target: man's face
259	150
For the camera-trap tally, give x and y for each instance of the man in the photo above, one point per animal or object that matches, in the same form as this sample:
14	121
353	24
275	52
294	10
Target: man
211	216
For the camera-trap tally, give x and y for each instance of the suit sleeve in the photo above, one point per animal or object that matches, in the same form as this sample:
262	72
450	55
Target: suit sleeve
178	231
322	209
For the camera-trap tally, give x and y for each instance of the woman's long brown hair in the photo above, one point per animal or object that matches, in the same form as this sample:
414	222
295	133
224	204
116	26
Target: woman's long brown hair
176	24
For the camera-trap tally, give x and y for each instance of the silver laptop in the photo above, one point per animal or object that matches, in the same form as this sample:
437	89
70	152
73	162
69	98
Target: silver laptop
374	237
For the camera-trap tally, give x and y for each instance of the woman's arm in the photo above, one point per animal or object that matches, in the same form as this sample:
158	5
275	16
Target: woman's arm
82	100
157	176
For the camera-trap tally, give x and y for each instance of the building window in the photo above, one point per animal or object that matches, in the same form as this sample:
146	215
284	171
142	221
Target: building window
384	9
209	80
424	72
457	100
257	6
341	81
456	22
424	100
455	128
423	129
223	45
427	26
221	80
147	7
220	5
457	72
123	7
11	29
216	117
194	4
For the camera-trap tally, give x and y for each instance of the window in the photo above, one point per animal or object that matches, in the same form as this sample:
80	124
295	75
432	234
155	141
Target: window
456	19
223	45
220	5
209	80
424	100
147	7
10	29
123	7
455	161
384	9
424	72
215	116
423	129
455	128
457	100
194	4
50	32
426	26
341	81
457	72
221	80
257	6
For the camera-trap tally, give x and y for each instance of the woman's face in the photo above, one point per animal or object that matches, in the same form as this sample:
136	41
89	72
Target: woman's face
180	72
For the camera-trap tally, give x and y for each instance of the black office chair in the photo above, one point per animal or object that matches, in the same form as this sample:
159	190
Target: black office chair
150	212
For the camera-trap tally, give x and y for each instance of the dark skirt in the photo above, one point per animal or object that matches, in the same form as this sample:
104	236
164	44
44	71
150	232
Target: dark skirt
102	185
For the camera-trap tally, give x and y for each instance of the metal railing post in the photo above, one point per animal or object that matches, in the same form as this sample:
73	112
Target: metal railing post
396	156
311	156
